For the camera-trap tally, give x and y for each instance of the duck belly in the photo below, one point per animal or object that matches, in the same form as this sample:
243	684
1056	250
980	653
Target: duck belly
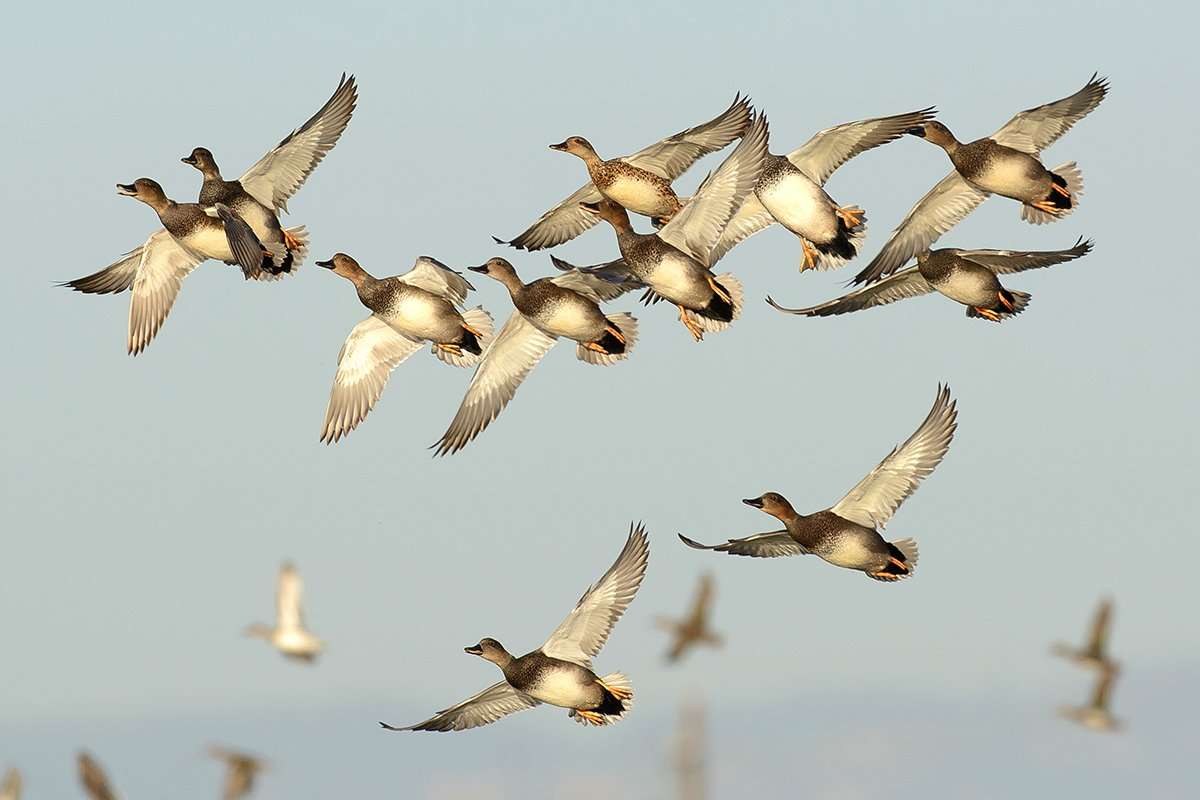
639	195
970	285
681	280
800	205
210	240
855	549
582	322
566	689
1019	176
422	315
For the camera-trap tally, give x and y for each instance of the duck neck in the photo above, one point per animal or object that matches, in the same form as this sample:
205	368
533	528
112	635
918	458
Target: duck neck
361	279
514	285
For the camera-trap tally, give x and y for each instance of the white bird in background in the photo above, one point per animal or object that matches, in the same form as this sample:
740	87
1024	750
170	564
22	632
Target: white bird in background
289	635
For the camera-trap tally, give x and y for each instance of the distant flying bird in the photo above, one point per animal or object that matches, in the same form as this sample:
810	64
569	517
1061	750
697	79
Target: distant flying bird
94	781
421	305
847	535
560	671
968	277
11	788
641	182
241	770
791	191
1007	163
289	636
1094	654
694	628
263	190
566	306
1095	714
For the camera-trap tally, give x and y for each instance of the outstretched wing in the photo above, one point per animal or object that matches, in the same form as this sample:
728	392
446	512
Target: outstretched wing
288	615
1035	129
703	602
945	205
560	224
279	174
877	496
750	218
592	285
581	635
904	284
1098	636
671	157
496	701
164	264
1002	262
829	149
772	544
433	276
94	781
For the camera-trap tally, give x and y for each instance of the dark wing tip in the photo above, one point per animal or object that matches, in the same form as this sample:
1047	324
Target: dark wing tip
692	543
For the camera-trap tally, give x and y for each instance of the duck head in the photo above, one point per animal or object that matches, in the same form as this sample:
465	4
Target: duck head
612	213
490	650
774	504
203	160
935	132
577	146
344	265
146	190
499	269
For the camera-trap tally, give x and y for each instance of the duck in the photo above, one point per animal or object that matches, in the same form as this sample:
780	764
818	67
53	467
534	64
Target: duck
693	629
791	192
560	672
95	782
191	234
262	192
289	636
407	310
1095	653
565	306
10	789
640	182
241	770
1096	714
1007	163
969	277
674	263
847	534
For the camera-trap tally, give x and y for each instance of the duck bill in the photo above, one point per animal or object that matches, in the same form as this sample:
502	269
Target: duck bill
474	650
919	130
561	146
754	502
189	160
481	269
326	264
126	189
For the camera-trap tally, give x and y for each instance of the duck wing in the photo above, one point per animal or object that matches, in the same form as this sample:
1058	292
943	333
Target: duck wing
904	284
94	781
288	615
772	544
579	637
750	218
243	242
697	227
510	357
116	277
829	149
496	701
1003	262
875	499
943	207
560	224
1033	130
1098	635
434	276
702	605
159	276
592	285
672	156
370	353
279	174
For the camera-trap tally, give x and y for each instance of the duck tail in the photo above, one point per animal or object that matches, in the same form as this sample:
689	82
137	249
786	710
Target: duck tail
285	257
618	700
477	335
845	246
720	314
616	347
1068	186
1008	304
903	561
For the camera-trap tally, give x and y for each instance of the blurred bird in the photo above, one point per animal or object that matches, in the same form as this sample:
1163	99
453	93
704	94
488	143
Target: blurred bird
1007	163
1094	654
560	671
94	781
240	772
641	183
694	628
847	535
289	635
11	788
1096	715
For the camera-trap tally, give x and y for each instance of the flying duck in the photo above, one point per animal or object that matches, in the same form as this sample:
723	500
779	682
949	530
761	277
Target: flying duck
965	276
1095	715
1007	163
241	770
566	306
847	534
289	636
693	629
560	671
790	191
421	305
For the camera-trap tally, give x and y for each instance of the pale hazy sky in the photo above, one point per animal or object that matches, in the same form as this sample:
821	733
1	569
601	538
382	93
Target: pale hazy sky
150	500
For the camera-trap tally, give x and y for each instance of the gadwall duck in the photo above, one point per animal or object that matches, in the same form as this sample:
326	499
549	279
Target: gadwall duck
1094	654
289	636
641	182
847	534
10	789
791	191
1007	163
674	263
241	770
560	671
693	629
567	306
1095	715
191	234
421	305
965	276
263	190
95	782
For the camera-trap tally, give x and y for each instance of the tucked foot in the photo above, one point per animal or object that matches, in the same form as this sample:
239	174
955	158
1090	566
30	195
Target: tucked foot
693	328
291	242
1004	301
478	333
1054	187
616	332
590	717
1047	206
719	290
987	313
885	576
596	347
618	692
452	348
810	255
852	216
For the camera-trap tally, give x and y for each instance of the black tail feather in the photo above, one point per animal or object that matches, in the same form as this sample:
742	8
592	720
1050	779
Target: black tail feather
840	246
611	343
470	342
610	705
719	308
1062	199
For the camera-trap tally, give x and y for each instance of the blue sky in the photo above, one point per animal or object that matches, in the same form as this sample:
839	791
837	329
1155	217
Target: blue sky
150	500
